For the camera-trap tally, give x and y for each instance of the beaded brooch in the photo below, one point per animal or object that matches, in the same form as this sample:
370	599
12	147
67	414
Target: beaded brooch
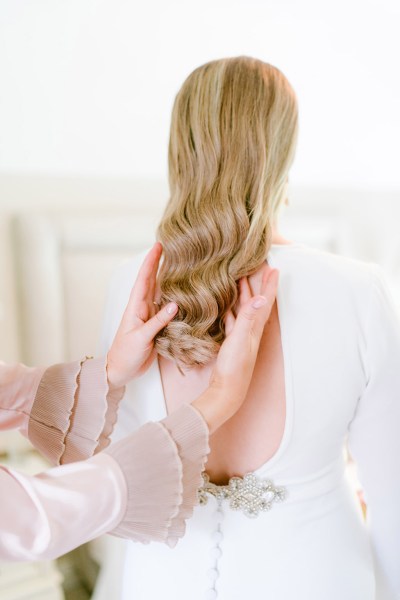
248	494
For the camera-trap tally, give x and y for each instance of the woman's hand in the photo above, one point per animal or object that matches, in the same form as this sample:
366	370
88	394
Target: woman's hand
235	362
132	350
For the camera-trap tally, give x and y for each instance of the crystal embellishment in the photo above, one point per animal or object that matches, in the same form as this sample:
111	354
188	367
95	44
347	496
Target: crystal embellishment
248	494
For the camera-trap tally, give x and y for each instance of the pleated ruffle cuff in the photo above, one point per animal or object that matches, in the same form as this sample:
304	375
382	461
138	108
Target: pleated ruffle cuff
189	430
74	411
162	464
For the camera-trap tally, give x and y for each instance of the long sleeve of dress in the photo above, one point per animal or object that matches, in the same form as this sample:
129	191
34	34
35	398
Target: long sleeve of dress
374	440
143	488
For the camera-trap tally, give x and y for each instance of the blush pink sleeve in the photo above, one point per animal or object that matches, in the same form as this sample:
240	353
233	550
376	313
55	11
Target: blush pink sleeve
45	516
162	464
74	411
18	387
94	413
67	411
142	488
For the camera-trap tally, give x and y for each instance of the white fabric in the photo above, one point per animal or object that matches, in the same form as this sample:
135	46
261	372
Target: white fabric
341	347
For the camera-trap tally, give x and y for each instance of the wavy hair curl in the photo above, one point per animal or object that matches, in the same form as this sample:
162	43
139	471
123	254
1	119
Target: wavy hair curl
232	141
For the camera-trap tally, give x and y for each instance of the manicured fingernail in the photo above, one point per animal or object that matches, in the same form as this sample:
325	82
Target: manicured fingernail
259	302
172	308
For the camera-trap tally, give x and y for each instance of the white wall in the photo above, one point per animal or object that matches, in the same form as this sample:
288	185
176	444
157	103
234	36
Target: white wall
87	85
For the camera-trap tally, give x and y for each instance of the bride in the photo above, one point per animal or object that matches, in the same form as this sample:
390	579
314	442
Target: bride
277	518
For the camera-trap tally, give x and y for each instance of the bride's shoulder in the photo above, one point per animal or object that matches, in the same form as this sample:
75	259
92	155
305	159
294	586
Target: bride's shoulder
324	267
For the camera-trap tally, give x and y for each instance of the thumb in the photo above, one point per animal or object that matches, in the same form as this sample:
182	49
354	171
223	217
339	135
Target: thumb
159	321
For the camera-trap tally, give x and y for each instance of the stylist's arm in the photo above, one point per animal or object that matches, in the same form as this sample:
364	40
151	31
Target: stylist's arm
142	487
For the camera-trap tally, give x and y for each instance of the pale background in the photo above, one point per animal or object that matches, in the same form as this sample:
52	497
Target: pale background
86	90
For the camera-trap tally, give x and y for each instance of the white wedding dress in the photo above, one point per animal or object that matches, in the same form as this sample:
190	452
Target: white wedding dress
341	349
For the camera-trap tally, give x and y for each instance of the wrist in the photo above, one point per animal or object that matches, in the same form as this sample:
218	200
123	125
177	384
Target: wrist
214	406
114	382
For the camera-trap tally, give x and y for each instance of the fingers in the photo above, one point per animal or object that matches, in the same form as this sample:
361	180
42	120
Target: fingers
245	294
237	356
254	313
244	291
145	281
239	350
265	277
153	277
159	321
229	322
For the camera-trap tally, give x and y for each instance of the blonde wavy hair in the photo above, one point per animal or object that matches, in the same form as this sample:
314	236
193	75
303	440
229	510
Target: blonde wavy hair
232	141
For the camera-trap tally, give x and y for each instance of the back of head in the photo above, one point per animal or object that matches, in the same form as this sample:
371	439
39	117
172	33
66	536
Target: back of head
232	141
